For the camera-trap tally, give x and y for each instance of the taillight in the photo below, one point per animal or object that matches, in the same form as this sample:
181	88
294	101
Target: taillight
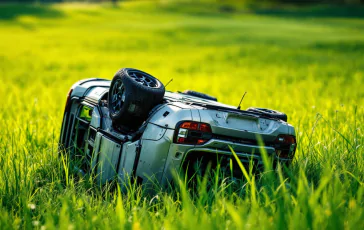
190	125
285	146
193	133
68	99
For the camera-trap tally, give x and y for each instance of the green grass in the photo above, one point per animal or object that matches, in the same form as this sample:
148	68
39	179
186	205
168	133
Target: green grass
310	66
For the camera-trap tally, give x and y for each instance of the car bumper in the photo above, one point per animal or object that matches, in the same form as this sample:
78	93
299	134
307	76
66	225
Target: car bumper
178	153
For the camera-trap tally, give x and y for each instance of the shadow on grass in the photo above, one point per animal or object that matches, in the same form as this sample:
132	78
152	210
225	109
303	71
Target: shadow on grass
200	9
298	11
341	47
312	11
12	11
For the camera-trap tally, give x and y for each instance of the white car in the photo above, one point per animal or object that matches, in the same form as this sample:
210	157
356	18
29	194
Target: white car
131	127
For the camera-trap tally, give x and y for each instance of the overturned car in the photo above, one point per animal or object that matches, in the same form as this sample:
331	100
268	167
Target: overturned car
131	127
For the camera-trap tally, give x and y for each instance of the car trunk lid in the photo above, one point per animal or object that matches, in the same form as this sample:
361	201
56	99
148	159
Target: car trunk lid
241	126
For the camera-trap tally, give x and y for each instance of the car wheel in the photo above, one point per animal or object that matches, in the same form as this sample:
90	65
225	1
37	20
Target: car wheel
269	112
133	93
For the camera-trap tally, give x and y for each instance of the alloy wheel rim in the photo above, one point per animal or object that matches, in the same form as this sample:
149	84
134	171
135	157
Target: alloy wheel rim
118	96
144	79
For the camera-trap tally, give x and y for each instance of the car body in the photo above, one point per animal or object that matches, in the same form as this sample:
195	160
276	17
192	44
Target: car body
181	128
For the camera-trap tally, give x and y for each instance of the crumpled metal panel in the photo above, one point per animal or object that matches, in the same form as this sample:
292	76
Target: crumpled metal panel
108	159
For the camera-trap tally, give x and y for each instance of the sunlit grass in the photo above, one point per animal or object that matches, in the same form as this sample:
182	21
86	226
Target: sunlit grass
310	68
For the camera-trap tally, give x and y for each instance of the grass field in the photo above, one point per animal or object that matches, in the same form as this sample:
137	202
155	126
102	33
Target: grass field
307	64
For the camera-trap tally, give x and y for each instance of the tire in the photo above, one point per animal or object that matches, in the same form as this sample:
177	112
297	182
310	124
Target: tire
133	93
269	112
200	95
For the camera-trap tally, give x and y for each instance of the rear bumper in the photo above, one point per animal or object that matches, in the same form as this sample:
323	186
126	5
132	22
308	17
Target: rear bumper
178	153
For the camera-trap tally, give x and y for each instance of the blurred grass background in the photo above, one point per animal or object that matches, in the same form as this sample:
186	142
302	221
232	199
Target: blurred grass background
304	59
